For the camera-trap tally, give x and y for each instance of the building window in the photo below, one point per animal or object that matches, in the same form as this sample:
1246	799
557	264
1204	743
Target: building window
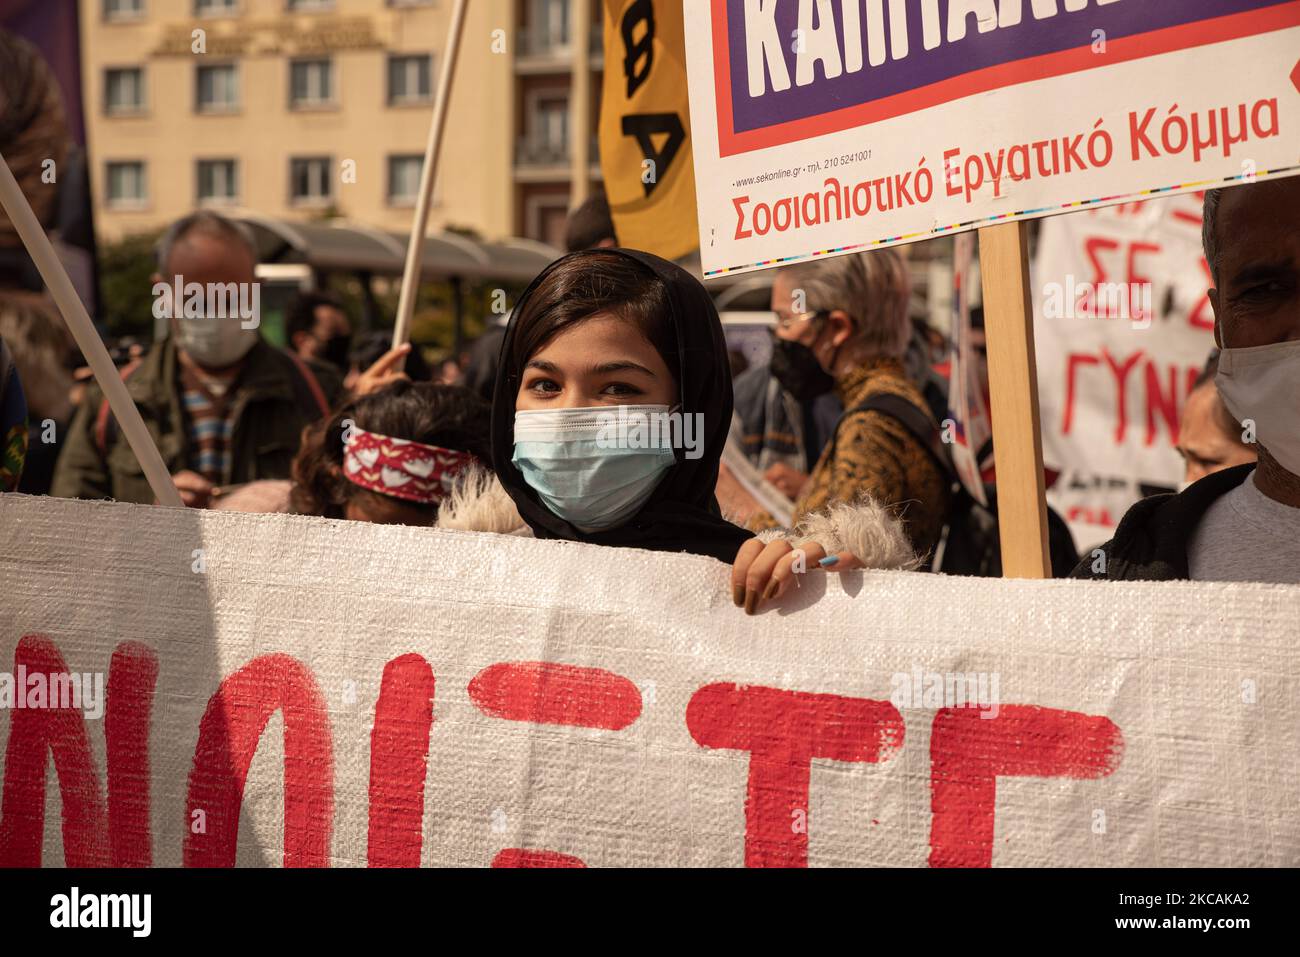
409	78
218	182
409	3
124	91
550	26
547	139
310	5
218	88
545	216
215	8
404	179
125	184
123	10
311	83
546	120
310	183
551	122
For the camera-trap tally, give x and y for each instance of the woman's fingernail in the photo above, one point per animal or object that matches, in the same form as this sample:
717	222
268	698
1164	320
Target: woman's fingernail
751	602
738	595
828	561
772	588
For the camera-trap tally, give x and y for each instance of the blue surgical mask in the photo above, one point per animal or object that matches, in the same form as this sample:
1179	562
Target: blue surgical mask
592	467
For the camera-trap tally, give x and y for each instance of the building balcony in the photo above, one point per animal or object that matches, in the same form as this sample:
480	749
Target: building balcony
534	152
539	160
543	53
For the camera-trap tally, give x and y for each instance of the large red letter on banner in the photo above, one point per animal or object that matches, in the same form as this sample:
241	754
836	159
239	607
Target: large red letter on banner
968	753
399	754
784	731
228	737
91	838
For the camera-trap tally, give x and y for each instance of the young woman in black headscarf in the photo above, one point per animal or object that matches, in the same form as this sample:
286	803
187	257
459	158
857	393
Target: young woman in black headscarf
598	330
603	344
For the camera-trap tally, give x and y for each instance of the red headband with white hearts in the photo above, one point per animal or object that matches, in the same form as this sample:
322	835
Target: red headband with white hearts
401	468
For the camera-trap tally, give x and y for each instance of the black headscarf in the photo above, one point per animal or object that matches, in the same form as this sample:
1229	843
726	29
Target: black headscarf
682	514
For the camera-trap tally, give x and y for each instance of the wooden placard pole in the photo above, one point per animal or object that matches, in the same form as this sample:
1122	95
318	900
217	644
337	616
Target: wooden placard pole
1013	387
56	279
428	174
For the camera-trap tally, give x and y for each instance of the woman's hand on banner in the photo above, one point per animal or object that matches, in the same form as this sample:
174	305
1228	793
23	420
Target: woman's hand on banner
765	571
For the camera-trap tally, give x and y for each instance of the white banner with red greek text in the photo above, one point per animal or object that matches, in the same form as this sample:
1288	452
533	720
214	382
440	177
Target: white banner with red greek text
832	126
216	689
1123	326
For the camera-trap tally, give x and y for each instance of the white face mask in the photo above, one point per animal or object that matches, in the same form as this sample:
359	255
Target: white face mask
1261	386
584	466
214	343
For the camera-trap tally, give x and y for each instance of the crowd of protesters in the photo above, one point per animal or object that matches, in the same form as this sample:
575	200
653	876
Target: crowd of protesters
844	420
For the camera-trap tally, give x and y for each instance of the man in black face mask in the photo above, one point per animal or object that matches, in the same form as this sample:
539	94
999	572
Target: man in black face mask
318	328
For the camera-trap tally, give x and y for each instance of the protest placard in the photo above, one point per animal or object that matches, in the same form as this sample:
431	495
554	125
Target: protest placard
827	127
218	689
1123	327
831	128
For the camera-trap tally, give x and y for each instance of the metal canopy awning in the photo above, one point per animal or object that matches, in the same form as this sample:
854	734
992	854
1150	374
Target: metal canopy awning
354	247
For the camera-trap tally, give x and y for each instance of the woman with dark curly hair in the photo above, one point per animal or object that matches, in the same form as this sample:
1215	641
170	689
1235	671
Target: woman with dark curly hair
393	456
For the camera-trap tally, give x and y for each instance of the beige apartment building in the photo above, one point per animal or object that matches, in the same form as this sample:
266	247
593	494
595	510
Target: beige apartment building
315	109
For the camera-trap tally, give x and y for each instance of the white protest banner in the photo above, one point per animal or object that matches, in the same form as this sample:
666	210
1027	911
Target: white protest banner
1123	326
827	127
277	688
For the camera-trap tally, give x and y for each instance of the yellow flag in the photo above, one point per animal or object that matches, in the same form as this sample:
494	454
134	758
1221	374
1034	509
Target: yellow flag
645	128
